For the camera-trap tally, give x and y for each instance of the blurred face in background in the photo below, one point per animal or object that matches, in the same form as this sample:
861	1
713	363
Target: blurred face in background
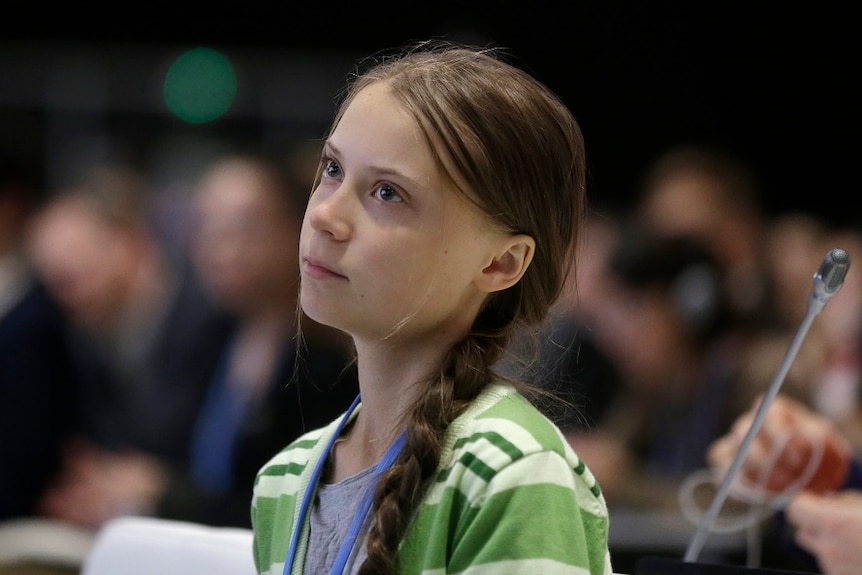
246	242
87	263
642	333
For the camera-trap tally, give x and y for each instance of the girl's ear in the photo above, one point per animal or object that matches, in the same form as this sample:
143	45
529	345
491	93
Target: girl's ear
508	264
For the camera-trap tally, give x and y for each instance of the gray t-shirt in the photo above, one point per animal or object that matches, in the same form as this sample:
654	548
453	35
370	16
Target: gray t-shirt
331	516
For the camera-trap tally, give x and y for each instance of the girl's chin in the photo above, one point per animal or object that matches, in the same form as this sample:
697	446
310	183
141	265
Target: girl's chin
323	315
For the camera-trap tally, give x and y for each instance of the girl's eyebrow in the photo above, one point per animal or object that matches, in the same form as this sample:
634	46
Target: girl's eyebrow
328	145
381	171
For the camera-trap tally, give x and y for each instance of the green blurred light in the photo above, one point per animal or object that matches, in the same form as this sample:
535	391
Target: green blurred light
200	86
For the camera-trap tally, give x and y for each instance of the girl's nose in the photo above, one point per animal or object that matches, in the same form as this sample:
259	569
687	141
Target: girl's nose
329	212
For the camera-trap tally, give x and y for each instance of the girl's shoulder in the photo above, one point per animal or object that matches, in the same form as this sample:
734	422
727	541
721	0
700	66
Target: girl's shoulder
503	435
501	411
502	428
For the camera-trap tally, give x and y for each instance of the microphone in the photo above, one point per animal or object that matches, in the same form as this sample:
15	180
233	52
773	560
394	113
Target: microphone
827	281
829	277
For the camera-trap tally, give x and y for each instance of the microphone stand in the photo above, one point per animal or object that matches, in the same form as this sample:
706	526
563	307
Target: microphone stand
827	281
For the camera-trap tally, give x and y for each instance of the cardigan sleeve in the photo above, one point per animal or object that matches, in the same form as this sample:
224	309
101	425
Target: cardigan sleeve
535	515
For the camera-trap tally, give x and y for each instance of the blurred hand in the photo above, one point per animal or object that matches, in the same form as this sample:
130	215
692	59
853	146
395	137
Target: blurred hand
791	434
97	485
829	526
607	458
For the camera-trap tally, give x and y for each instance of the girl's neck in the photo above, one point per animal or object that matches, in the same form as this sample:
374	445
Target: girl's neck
391	377
390	380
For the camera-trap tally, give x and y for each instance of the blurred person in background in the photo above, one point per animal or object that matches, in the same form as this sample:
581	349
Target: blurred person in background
278	376
819	529
668	328
827	371
768	263
702	191
792	247
837	390
37	396
145	338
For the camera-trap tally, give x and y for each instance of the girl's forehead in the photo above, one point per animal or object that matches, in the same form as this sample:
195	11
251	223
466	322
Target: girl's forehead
377	130
375	104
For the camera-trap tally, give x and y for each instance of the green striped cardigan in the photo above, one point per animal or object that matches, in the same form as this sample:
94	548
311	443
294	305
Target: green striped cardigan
510	496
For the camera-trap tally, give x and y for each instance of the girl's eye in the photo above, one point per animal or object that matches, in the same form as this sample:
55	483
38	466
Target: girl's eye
387	193
331	169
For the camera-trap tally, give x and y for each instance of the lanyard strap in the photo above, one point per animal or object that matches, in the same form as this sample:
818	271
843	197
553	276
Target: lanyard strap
364	505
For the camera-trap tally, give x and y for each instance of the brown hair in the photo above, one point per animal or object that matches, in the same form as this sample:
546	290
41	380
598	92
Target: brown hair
117	194
518	155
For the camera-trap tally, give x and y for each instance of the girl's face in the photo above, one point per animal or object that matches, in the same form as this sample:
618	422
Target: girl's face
388	246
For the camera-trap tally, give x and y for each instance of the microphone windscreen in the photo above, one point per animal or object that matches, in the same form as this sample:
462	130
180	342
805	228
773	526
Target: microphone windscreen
834	268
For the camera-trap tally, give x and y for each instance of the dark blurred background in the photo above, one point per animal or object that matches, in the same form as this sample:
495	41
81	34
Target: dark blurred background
770	82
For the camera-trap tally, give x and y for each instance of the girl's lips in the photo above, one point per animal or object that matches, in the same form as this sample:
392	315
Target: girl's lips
316	269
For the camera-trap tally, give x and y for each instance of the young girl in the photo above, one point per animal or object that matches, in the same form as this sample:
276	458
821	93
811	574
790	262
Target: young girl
451	190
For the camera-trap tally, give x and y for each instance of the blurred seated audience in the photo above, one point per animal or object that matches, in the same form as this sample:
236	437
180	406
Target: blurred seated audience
279	375
827	371
37	398
766	263
703	191
670	332
265	380
145	338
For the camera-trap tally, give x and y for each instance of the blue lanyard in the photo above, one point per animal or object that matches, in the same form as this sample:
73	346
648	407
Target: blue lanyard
361	511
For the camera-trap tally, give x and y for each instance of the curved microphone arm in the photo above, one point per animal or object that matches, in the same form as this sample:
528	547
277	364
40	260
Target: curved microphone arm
827	281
